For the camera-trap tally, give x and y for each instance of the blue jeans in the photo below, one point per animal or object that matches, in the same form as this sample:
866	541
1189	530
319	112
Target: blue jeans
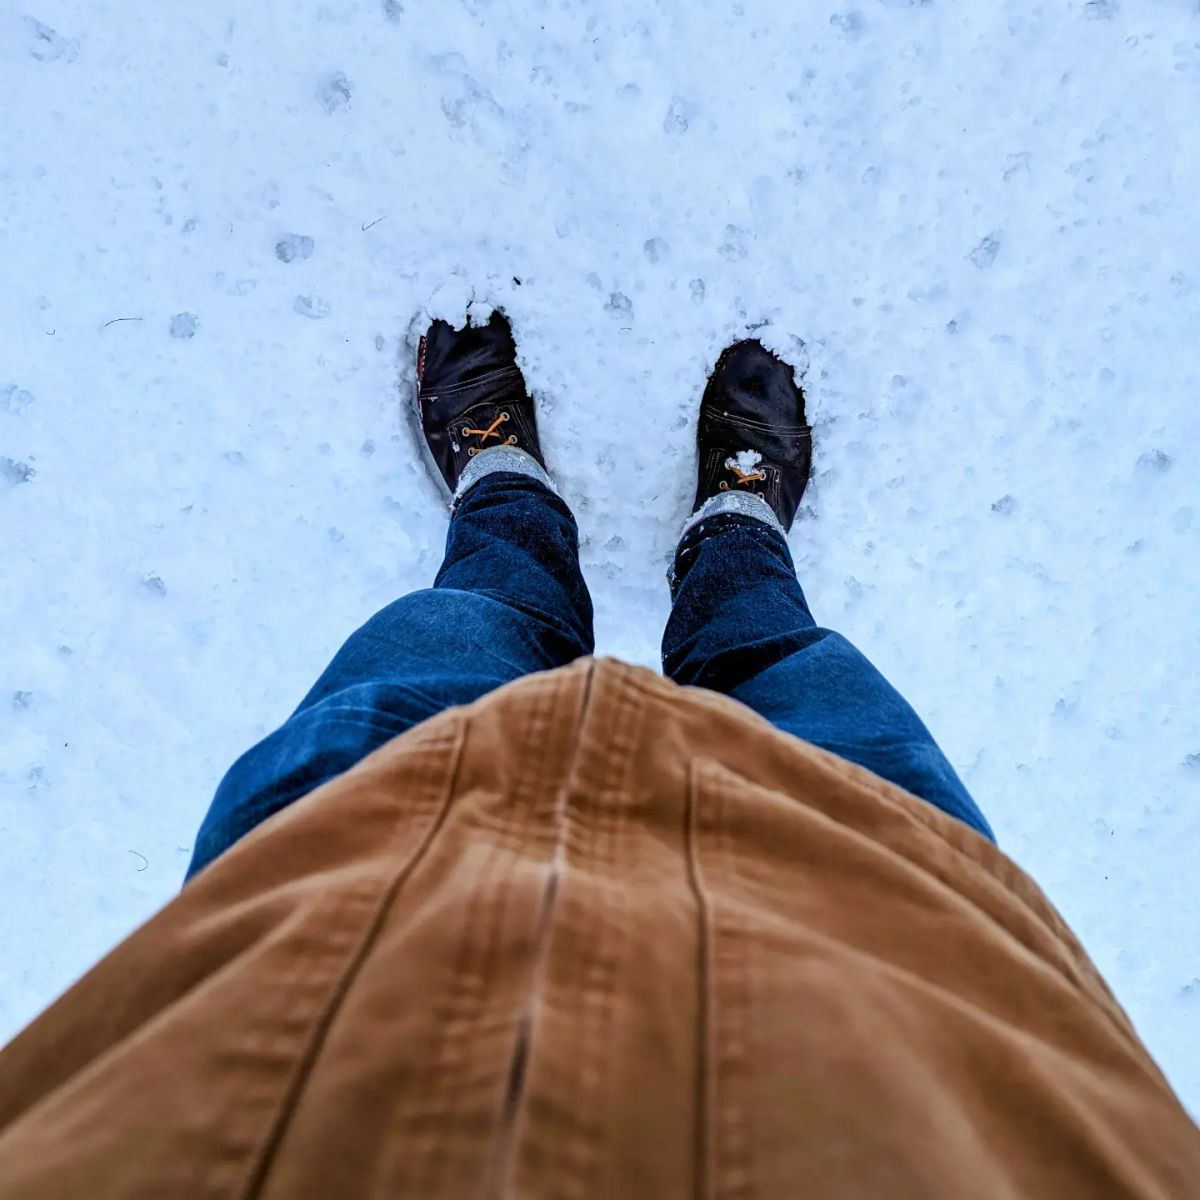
510	599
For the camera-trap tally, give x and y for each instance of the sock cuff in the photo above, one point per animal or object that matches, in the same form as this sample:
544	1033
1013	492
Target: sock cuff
511	459
744	504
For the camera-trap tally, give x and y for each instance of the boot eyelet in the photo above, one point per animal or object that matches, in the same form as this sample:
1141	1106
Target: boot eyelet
504	416
472	452
724	486
511	440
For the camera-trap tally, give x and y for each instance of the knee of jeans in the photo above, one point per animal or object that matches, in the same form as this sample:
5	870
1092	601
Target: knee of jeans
488	631
496	633
921	768
309	749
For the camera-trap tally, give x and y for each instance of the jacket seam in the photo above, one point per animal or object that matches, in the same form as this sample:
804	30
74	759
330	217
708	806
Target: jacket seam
480	931
596	1012
859	777
389	889
702	1084
1069	970
506	1147
730	1163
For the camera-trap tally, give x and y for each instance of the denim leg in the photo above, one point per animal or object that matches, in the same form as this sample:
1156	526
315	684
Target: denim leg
740	625
509	599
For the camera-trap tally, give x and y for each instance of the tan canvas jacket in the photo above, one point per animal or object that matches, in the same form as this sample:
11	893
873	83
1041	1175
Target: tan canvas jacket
596	936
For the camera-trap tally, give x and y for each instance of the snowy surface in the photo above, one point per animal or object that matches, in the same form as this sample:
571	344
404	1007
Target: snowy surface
218	220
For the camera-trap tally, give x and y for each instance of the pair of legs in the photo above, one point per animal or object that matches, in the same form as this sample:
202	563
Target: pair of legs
510	599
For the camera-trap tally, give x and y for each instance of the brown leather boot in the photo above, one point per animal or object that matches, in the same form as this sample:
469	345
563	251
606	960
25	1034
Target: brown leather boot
472	396
754	439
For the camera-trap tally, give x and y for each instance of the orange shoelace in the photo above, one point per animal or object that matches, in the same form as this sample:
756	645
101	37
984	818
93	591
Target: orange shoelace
491	431
744	477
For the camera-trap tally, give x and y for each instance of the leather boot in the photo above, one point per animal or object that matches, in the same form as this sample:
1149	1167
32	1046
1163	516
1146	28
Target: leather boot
472	396
753	434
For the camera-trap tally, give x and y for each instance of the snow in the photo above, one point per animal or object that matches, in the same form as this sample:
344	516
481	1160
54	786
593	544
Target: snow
972	224
744	460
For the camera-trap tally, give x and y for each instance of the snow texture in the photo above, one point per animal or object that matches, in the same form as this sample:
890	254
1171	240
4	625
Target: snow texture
971	225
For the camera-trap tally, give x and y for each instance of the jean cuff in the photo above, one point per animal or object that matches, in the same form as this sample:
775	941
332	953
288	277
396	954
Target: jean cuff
511	459
744	504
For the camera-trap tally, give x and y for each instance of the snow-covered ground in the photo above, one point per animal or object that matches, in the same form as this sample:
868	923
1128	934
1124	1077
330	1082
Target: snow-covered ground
218	220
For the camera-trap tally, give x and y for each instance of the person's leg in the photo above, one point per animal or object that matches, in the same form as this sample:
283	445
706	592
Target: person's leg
508	600
740	625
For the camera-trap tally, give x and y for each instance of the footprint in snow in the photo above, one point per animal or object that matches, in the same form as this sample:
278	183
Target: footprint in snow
334	92
15	399
312	307
15	472
183	325
293	246
619	305
49	46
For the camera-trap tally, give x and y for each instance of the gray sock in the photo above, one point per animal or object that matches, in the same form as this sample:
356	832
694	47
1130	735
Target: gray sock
501	458
745	504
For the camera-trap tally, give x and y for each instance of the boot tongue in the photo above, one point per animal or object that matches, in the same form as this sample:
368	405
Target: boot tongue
756	385
454	356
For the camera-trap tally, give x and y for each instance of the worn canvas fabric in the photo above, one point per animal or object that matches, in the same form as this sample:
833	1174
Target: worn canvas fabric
596	935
